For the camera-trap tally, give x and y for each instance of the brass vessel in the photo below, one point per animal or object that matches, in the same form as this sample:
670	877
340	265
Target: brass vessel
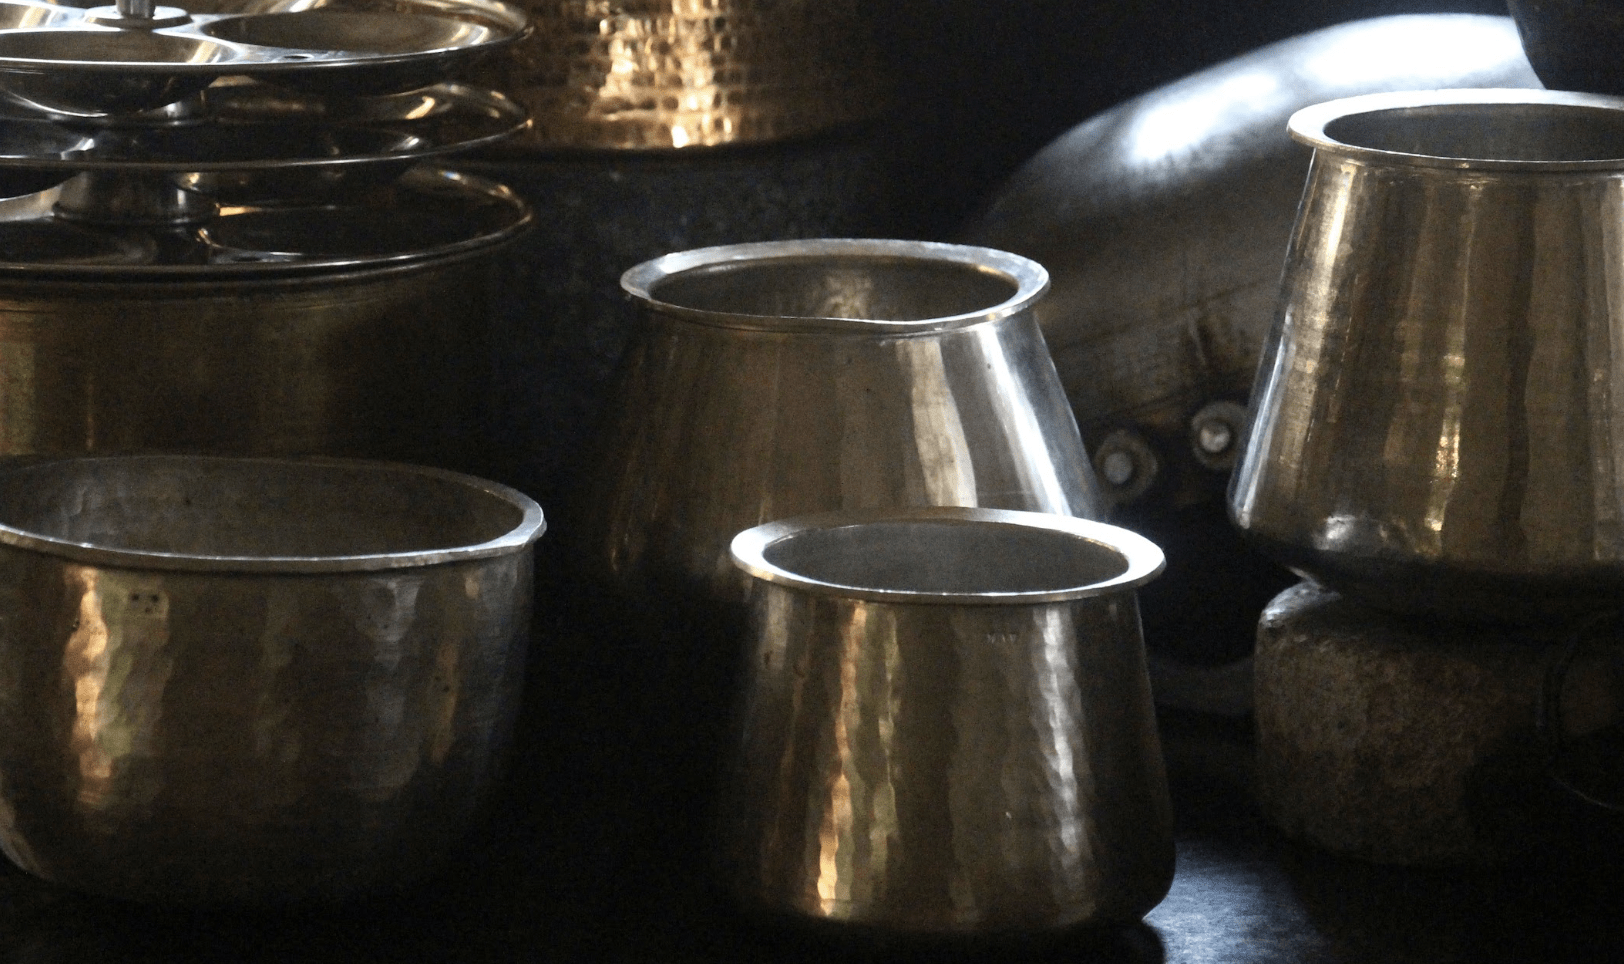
662	74
1438	404
253	679
947	724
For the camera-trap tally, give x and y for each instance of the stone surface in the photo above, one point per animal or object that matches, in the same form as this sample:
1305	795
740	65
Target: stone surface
1398	741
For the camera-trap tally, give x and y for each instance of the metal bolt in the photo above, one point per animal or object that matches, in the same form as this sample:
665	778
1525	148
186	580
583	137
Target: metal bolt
1118	468
1126	466
1215	436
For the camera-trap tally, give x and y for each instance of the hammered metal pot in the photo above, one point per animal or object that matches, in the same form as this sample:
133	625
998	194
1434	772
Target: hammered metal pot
253	679
376	363
1163	222
665	74
1438	410
786	378
947	725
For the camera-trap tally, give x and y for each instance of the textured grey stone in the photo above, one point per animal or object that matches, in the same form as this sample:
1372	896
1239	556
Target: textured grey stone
1394	740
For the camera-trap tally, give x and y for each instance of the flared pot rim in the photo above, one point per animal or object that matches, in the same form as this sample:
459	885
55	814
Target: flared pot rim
1308	126
1141	559
1029	279
519	537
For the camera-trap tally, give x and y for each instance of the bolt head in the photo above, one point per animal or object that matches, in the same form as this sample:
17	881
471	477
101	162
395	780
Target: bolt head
1215	436
1118	468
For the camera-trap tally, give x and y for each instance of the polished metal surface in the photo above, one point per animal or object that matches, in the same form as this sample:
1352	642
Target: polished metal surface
947	725
428	214
1164	222
25	14
664	74
1438	408
785	378
261	680
249	128
109	61
246	143
385	363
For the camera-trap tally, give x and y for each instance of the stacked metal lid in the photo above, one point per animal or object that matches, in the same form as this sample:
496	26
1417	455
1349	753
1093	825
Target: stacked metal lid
247	136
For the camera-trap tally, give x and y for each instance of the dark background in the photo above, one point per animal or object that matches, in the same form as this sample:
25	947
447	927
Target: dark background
983	84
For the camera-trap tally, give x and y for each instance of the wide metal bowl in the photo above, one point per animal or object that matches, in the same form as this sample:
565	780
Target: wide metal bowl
253	679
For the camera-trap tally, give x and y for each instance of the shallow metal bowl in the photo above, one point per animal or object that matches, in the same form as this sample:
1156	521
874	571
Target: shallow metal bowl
252	679
357	32
18	16
97	70
78	62
363	47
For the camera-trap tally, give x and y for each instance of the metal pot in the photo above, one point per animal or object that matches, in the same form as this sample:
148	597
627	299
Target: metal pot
784	378
253	679
947	724
369	363
1163	222
316	329
1435	422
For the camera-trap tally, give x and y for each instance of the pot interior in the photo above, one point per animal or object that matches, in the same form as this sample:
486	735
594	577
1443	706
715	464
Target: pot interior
855	287
945	556
1498	132
251	508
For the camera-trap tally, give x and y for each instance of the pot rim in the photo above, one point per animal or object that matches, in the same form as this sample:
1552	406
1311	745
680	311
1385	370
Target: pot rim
1308	124
521	536
1144	560
1031	281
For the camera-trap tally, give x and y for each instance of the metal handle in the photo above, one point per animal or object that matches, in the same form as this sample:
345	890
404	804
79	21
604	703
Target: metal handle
136	9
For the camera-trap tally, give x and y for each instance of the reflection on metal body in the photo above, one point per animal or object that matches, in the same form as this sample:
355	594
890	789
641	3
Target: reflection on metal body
663	74
377	363
947	724
1164	222
253	679
785	378
1438	410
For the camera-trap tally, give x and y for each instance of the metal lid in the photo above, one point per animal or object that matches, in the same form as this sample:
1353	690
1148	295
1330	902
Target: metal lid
428	214
110	60
248	126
